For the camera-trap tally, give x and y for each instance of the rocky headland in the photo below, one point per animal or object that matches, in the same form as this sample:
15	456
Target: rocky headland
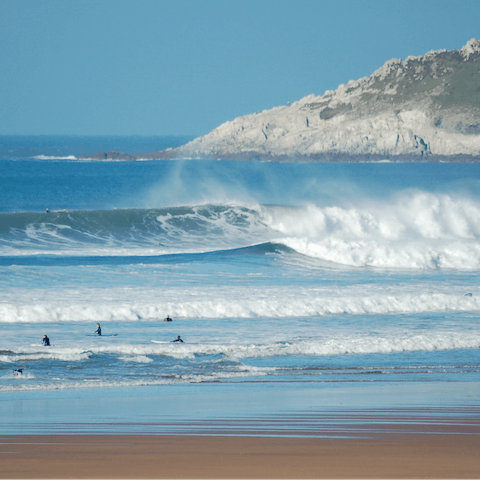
424	108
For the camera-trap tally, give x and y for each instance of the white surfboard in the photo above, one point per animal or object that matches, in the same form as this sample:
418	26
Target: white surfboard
102	335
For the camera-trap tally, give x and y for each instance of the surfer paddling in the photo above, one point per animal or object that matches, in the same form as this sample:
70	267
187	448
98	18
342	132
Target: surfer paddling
178	339
98	331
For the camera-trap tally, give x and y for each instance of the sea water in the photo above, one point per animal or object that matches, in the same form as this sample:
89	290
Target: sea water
285	281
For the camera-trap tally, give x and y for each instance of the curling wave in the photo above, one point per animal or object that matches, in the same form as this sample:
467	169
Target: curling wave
418	230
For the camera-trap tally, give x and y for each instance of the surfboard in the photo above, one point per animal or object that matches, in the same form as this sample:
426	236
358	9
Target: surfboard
158	341
102	335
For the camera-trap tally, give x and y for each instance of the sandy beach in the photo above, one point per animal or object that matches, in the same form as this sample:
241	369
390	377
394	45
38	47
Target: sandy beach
395	455
136	437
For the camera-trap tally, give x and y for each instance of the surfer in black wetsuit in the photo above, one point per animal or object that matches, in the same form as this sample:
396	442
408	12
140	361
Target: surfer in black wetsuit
17	372
168	319
46	341
98	331
178	339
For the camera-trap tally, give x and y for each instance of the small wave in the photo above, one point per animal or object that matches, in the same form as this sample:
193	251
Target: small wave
30	354
61	384
354	344
23	376
49	157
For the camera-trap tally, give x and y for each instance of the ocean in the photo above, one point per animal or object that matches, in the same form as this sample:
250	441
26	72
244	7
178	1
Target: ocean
296	287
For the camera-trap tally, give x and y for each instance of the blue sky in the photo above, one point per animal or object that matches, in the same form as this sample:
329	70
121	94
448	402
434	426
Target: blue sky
183	67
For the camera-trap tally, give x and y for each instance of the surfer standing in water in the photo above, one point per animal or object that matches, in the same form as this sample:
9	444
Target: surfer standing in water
98	331
46	341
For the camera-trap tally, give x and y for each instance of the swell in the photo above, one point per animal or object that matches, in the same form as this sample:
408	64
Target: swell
130	231
130	258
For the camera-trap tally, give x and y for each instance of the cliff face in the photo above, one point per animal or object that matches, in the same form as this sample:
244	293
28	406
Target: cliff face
422	107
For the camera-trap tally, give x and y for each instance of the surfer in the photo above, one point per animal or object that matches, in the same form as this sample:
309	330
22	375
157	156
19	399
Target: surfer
168	319
178	339
46	341
47	210
17	372
98	331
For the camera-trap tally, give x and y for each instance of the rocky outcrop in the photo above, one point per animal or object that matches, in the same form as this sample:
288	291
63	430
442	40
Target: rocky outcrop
421	108
116	156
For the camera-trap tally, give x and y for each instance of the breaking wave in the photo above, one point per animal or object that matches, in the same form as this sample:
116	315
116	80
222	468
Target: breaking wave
345	344
415	231
238	303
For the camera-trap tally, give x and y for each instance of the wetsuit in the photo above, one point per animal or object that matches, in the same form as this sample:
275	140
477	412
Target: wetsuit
98	331
46	341
177	340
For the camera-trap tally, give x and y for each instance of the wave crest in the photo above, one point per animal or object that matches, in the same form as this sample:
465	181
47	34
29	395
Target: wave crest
415	230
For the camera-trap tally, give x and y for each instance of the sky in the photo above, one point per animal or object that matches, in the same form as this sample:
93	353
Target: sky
183	67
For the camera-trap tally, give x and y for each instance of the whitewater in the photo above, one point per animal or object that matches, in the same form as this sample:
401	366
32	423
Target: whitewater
292	274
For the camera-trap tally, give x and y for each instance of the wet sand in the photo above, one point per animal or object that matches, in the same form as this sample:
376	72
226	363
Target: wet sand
381	455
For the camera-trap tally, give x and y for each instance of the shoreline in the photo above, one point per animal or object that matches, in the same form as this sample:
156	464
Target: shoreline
249	409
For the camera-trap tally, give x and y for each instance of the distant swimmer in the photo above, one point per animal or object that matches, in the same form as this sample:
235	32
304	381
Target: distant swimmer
47	210
17	372
168	319
178	339
98	331
46	341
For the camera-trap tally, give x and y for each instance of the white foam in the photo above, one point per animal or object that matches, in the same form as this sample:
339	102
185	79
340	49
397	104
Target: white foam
393	341
23	376
203	302
61	384
64	356
48	157
136	359
417	230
